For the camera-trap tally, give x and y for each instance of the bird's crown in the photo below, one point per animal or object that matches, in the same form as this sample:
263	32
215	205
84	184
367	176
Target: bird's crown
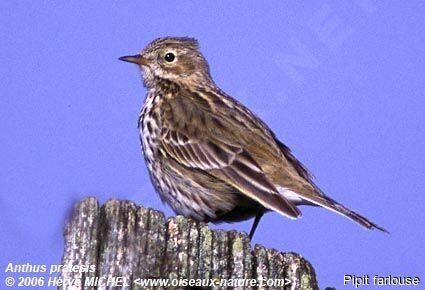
168	42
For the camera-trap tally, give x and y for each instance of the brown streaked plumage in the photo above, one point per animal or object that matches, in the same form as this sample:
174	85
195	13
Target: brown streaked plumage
209	157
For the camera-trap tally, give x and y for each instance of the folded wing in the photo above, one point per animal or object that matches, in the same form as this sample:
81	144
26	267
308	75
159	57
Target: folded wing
228	162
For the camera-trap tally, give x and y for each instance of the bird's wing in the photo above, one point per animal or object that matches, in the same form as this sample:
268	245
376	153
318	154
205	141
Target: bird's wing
298	166
194	138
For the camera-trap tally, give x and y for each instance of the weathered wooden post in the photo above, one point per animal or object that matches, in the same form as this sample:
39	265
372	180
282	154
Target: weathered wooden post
125	240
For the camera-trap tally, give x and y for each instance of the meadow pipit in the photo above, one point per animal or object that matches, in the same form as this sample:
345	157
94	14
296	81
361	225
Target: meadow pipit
209	157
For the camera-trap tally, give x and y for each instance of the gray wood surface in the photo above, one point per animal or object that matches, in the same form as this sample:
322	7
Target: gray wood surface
126	240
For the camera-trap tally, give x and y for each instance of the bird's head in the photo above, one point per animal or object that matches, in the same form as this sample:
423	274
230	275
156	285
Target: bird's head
177	59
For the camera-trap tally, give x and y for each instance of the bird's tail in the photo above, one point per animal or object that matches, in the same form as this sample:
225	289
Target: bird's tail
329	203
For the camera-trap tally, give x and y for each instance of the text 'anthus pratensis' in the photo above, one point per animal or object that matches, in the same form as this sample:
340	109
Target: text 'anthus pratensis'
209	157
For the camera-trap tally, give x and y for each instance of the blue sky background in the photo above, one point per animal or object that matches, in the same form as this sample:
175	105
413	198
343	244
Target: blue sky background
341	83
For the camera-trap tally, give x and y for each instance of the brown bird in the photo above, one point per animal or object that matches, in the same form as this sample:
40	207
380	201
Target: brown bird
209	157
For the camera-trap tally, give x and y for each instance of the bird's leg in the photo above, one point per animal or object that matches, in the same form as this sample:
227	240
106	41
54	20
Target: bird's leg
255	224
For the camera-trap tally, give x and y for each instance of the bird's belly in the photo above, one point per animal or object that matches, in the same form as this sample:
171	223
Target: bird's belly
172	189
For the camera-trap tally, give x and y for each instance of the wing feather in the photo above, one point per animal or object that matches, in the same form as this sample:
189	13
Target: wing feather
194	136
230	162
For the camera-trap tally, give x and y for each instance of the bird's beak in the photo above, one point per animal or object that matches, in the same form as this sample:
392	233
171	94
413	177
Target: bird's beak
137	59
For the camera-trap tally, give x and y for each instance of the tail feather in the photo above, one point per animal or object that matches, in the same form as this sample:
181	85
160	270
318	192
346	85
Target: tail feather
334	206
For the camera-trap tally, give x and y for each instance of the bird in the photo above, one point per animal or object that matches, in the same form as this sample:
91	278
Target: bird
209	157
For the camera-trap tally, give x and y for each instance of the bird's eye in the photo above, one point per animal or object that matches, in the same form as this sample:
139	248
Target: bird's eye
169	57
